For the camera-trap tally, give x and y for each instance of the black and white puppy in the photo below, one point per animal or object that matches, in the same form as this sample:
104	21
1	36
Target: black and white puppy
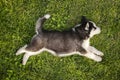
74	41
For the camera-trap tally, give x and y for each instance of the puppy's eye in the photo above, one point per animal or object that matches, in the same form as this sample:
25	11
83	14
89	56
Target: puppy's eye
94	28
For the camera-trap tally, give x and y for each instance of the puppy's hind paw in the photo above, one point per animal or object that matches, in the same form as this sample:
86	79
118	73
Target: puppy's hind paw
21	50
23	63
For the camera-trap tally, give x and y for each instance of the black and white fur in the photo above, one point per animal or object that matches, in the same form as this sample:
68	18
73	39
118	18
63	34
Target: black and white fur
74	41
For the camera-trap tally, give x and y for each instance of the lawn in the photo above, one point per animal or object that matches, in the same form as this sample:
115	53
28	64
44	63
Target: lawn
17	26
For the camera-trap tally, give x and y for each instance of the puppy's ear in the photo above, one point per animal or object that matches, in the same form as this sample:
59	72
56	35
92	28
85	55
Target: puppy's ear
84	20
84	23
87	26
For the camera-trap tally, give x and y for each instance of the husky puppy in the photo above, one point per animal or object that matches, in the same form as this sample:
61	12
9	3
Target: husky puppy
66	43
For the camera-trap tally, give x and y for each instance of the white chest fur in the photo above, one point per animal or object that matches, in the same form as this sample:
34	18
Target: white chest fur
86	43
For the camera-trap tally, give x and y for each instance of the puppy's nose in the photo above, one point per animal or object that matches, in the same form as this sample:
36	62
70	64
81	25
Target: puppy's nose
99	30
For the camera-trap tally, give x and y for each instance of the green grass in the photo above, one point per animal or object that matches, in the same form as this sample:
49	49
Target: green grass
17	21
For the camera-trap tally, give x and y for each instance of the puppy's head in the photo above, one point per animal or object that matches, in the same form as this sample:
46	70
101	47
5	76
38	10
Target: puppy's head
87	29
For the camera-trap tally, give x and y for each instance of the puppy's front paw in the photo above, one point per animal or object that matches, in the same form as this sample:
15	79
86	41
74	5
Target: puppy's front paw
100	53
93	57
98	59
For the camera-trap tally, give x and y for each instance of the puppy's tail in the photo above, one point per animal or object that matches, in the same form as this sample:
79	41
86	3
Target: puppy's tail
40	22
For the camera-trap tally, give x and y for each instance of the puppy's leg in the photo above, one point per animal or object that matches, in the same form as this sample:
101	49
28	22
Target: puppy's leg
95	51
93	57
21	50
25	58
29	53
